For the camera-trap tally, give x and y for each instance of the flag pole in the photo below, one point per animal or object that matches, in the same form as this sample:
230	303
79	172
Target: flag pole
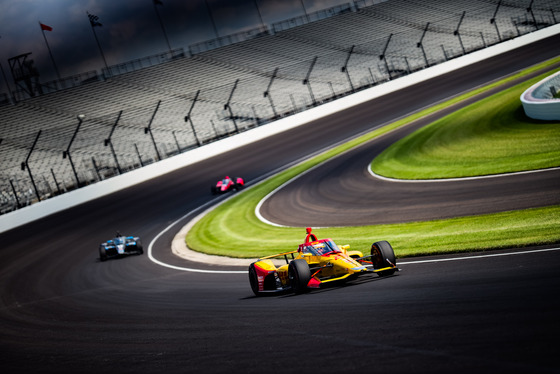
212	19
49	48
156	3
100	50
93	22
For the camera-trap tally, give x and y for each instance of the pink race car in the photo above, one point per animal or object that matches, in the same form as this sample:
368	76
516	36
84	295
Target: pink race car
228	184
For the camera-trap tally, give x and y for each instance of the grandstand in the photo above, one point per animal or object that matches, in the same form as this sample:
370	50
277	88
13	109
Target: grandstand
135	112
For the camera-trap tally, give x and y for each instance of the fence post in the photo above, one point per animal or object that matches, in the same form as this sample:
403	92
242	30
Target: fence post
55	182
345	68
67	152
373	80
108	141
96	168
149	130
530	10
267	92
420	45
444	53
493	20
214	127
456	32
383	58
15	194
257	121
228	106
188	118
307	82
138	154
176	142
26	164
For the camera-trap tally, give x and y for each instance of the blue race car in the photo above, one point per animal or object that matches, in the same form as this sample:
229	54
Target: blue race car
120	246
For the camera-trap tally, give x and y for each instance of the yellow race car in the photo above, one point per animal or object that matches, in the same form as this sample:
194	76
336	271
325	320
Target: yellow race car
318	262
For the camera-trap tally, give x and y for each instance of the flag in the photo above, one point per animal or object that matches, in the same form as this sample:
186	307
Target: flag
93	20
45	27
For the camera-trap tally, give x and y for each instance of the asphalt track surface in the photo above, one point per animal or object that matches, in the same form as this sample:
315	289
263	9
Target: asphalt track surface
64	311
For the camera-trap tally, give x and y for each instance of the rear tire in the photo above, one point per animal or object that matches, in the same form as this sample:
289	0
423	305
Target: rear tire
139	247
299	275
383	256
253	280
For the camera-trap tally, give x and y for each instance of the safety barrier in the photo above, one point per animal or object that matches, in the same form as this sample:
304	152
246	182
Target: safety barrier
542	100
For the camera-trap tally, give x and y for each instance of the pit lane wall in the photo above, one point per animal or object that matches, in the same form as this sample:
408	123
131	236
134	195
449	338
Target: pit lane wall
539	101
70	199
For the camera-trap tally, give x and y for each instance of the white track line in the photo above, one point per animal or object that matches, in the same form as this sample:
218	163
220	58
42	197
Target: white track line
373	174
479	256
262	201
150	247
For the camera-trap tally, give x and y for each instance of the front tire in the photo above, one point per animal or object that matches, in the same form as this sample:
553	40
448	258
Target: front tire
253	280
299	275
102	254
383	256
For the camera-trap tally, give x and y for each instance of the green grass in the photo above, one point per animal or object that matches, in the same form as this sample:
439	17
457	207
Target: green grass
232	229
491	136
